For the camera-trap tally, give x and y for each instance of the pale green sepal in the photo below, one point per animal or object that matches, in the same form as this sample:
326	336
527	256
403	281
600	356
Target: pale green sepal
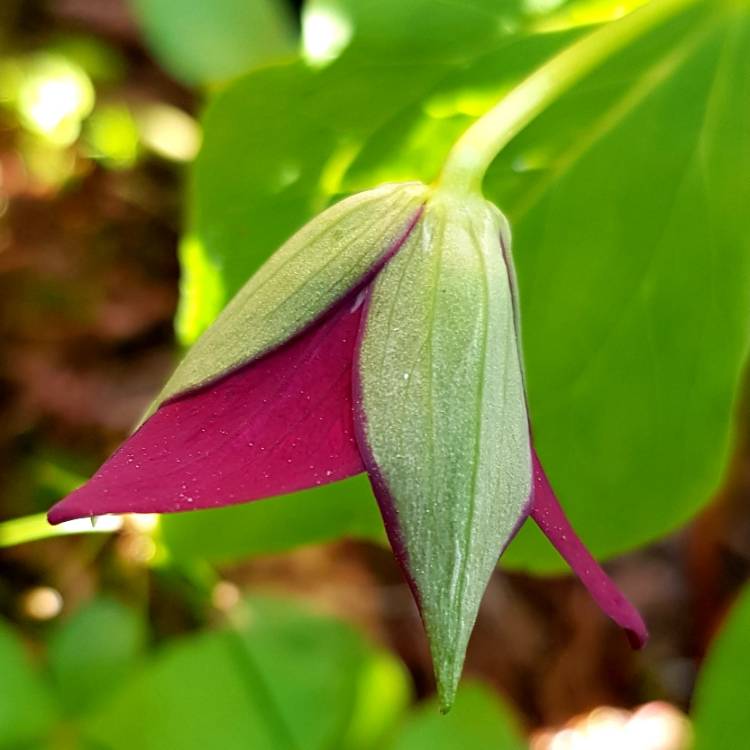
301	280
444	416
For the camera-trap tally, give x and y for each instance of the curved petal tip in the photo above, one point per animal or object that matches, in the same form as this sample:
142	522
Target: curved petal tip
550	517
280	424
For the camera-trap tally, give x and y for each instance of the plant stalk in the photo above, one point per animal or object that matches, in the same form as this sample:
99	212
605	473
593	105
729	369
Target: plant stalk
35	527
474	151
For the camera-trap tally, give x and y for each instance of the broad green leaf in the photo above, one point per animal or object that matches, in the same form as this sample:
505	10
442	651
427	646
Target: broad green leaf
383	693
720	715
417	31
276	145
203	43
417	136
194	695
201	290
477	720
318	515
279	679
443	414
27	711
633	260
440	32
311	662
93	651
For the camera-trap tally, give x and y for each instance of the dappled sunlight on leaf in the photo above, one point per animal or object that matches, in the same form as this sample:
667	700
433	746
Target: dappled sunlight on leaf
202	287
326	31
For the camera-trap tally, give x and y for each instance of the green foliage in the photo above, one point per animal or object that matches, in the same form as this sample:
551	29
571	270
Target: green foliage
193	696
274	677
320	514
204	43
26	709
201	290
636	329
421	30
477	721
720	704
277	679
626	200
93	651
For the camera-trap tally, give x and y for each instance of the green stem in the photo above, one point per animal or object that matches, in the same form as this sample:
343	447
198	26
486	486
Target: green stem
475	150
33	528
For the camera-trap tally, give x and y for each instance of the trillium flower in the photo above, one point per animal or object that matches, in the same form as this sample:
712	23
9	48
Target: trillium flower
382	337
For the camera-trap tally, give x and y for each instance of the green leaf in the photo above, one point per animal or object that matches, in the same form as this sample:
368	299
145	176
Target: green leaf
417	31
201	290
27	711
383	693
193	696
276	144
633	260
93	651
437	32
443	413
720	716
477	720
204	43
279	679
311	662
317	515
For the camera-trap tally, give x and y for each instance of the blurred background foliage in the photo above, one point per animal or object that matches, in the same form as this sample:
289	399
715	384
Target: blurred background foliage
153	154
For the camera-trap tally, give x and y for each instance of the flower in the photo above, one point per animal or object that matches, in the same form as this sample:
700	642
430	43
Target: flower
383	337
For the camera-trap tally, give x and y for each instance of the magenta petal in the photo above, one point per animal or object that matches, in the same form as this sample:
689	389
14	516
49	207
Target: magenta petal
550	517
279	424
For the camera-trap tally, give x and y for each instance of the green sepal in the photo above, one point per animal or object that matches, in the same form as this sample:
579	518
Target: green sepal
300	281
443	423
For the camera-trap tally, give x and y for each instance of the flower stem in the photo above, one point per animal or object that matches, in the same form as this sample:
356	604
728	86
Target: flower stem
33	528
475	150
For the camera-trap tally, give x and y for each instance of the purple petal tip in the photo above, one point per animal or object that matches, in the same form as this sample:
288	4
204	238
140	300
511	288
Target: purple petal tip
279	424
550	517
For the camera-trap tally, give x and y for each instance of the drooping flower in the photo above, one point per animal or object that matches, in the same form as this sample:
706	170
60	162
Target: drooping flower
382	337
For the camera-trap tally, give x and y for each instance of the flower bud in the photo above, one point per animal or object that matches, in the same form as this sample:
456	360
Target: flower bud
384	336
441	415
